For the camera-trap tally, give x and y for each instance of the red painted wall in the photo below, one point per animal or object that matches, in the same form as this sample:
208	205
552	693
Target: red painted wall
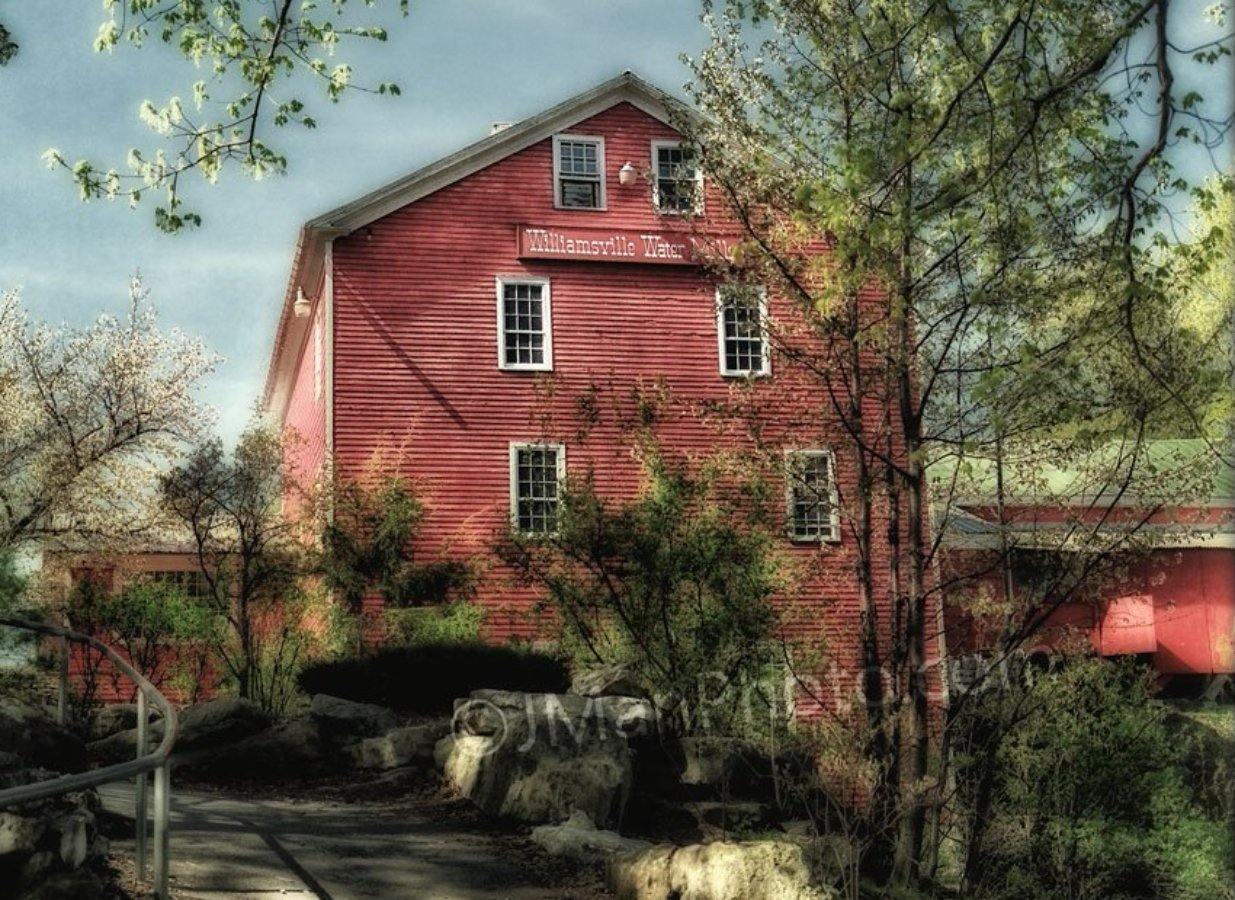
1192	592
415	362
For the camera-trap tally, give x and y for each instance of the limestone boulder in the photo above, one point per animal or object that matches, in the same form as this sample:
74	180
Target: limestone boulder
614	680
29	733
413	745
217	722
707	760
337	717
580	840
20	834
201	727
48	840
113	718
723	870
284	750
602	717
122	745
537	758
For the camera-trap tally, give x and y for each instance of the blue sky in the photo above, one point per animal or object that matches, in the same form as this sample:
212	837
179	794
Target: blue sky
461	63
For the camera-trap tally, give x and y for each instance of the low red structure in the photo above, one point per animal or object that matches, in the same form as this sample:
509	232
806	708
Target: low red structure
1170	600
63	571
468	313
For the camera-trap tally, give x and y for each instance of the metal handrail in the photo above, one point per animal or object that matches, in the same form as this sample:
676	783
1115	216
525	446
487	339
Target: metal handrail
156	761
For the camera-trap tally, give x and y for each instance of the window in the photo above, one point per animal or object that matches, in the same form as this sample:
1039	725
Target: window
811	496
536	472
192	582
524	326
578	172
741	311
677	186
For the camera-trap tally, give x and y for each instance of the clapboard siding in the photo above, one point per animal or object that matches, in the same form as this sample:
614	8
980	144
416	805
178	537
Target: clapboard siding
415	362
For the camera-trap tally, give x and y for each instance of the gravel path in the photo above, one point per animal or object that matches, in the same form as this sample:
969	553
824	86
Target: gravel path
226	846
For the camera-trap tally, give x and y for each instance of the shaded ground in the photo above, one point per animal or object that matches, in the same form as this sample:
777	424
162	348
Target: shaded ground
232	845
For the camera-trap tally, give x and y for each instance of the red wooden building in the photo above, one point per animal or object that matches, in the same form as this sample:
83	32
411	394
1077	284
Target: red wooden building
460	313
1170	599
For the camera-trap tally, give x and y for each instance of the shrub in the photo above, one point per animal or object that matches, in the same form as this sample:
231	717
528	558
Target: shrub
1084	793
676	583
426	679
156	625
367	544
456	622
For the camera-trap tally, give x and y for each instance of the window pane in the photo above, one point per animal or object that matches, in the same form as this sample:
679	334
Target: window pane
536	489
811	495
742	329
580	194
523	324
578	158
677	186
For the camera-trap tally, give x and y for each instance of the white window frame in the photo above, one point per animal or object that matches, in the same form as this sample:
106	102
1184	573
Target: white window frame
600	168
515	447
833	536
547	316
695	210
766	368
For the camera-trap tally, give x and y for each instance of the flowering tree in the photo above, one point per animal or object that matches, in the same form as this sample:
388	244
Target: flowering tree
87	415
260	57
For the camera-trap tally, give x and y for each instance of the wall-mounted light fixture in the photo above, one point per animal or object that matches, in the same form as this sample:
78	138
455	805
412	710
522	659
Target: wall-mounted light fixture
302	306
627	175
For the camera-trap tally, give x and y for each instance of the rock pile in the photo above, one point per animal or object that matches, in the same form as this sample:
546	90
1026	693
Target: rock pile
48	848
538	758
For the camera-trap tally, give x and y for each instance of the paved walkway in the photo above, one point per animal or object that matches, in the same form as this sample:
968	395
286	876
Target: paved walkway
226	847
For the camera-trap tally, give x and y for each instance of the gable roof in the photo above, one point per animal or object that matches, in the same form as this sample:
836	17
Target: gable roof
316	234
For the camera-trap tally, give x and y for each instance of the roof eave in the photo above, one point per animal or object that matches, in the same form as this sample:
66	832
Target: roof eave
316	233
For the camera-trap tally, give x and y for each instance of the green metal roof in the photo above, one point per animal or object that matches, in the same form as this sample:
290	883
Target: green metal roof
1187	457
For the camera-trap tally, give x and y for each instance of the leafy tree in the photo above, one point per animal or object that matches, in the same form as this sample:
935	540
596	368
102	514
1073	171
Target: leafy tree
13	603
996	278
677	583
1087	795
250	558
261	59
8	47
86	416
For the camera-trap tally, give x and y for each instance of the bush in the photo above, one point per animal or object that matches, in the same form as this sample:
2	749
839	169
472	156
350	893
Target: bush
426	679
457	622
676	584
156	625
1086	792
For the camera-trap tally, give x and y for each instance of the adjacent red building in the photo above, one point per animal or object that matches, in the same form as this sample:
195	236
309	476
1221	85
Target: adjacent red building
1170	600
484	315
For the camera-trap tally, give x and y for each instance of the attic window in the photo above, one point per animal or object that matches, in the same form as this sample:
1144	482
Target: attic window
578	172
677	186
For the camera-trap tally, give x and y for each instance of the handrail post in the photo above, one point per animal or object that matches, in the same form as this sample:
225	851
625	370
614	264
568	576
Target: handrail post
139	812
62	701
162	812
